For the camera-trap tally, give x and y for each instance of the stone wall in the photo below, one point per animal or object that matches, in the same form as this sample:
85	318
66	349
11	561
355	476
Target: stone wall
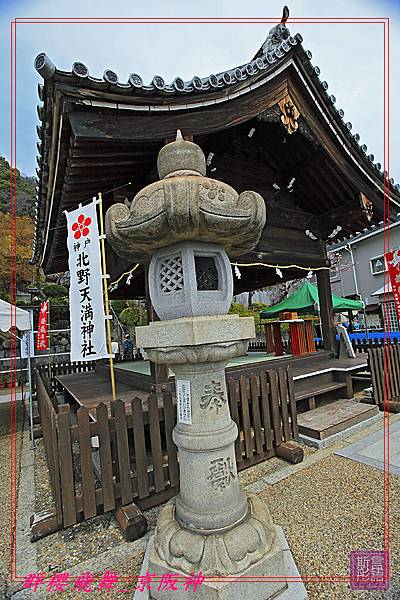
59	344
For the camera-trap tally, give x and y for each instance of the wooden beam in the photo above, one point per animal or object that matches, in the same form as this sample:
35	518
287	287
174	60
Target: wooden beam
42	524
285	246
152	125
290	452
131	520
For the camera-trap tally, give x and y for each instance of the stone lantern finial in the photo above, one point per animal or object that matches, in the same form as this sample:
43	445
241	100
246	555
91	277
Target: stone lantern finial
180	158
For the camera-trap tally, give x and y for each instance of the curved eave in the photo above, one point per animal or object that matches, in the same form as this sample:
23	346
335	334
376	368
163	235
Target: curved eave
197	94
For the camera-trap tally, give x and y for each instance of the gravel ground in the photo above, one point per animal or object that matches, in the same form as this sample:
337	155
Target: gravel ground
4	488
329	509
327	506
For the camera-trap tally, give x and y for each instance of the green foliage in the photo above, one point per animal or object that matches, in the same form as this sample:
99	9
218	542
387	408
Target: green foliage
59	300
239	309
25	188
133	316
244	311
55	290
118	305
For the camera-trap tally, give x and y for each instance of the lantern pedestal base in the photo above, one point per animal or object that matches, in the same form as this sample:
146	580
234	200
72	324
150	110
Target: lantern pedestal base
293	589
250	549
212	527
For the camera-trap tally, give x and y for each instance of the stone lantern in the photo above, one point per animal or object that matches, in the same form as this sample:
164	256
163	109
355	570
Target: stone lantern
188	224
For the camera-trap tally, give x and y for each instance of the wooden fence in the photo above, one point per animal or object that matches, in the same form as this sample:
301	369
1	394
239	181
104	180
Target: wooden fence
384	364
264	408
48	372
137	461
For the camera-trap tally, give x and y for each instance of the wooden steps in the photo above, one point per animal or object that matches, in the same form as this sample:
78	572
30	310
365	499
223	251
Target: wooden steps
320	389
334	417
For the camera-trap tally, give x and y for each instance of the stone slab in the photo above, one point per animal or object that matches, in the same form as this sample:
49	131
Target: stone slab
194	331
370	450
334	417
332	439
295	589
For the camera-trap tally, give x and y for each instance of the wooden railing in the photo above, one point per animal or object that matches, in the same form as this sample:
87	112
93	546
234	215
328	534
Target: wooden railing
264	408
48	372
384	364
48	419
137	461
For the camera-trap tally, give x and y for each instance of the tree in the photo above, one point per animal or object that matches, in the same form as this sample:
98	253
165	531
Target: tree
54	290
337	262
133	316
25	190
24	234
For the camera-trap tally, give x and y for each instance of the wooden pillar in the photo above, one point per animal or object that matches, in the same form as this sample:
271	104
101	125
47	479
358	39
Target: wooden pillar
326	310
351	326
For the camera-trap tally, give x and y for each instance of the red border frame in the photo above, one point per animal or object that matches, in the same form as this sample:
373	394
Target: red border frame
386	163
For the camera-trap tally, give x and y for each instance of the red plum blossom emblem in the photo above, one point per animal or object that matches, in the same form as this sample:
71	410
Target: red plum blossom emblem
81	226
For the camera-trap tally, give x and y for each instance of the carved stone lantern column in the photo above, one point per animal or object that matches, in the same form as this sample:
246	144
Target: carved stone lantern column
188	224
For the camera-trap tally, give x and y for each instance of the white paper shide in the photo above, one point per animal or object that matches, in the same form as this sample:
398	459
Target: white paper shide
88	335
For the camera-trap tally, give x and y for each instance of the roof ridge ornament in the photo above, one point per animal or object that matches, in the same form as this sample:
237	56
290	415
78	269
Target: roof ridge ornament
278	34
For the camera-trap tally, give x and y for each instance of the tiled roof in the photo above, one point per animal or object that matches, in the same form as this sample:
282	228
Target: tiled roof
276	50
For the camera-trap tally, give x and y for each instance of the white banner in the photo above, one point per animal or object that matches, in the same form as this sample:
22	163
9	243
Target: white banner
88	334
27	339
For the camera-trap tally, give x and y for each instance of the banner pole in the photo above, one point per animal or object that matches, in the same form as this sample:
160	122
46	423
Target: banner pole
107	308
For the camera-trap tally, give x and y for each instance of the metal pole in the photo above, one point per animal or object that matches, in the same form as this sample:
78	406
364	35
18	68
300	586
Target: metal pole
20	369
30	393
107	308
349	249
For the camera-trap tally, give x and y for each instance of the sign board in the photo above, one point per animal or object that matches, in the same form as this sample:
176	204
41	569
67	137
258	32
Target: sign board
344	338
184	401
88	334
27	340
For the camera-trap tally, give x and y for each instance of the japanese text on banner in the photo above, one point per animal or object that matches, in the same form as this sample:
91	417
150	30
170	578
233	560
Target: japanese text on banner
393	263
42	340
88	336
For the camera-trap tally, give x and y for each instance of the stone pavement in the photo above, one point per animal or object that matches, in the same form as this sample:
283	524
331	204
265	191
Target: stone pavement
370	450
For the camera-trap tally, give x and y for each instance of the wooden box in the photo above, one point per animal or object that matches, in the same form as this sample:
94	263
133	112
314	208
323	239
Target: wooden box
288	316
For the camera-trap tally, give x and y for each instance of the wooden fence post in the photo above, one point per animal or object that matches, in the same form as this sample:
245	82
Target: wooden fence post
66	466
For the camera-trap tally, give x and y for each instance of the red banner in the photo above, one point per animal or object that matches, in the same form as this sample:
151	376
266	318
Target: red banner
42	340
393	263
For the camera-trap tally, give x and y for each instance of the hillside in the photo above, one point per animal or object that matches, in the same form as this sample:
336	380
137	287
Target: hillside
25	191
